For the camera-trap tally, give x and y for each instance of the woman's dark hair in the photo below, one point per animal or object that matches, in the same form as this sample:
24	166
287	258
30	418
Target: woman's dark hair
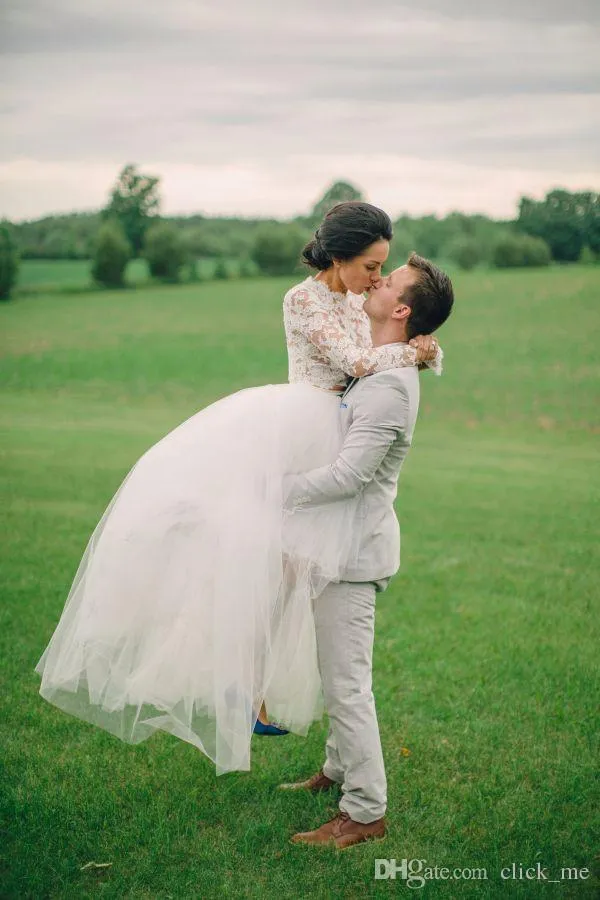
345	232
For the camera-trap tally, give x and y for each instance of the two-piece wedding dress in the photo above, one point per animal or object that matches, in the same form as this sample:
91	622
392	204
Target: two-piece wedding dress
191	603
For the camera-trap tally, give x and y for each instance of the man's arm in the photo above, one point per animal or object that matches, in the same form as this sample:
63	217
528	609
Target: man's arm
380	416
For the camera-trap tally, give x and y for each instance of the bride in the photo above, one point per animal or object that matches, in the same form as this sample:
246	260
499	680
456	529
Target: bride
190	611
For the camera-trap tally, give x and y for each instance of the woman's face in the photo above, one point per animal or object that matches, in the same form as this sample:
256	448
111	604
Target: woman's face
363	272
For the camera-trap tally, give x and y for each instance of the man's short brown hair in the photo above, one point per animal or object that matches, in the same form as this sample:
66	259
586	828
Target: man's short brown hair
430	297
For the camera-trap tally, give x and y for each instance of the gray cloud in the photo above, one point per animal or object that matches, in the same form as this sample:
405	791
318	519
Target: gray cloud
263	84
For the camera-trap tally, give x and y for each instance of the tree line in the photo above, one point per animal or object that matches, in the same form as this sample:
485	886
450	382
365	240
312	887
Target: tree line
564	227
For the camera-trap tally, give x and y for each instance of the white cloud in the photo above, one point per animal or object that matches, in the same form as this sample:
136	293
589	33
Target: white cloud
234	99
395	182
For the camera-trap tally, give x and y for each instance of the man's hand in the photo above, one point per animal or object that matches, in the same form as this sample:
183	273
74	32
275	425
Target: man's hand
426	347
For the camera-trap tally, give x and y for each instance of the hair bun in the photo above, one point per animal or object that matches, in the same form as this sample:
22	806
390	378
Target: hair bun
315	255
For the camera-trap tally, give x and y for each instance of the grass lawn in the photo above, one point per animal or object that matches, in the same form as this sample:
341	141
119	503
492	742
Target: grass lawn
38	274
71	275
486	651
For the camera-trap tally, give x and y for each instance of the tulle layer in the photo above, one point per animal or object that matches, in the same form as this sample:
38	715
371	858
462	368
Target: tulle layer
192	602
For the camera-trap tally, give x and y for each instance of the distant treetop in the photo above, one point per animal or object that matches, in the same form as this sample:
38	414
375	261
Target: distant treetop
134	202
337	193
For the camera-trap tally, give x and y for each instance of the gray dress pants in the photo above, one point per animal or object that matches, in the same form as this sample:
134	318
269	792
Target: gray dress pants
345	628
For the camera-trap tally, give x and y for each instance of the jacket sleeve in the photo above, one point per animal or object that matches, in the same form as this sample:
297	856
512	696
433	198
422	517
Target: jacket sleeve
380	417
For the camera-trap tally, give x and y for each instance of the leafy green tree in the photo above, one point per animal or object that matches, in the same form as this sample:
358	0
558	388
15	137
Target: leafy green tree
508	252
165	251
9	260
464	251
207	242
194	271
559	219
277	248
536	251
429	235
590	204
58	237
516	250
134	202
247	268
402	244
221	270
587	257
112	252
337	193
58	243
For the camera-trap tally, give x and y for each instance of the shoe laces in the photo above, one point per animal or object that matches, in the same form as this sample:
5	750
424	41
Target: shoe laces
340	820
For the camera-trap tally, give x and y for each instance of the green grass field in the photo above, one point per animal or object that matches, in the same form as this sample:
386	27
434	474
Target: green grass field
486	656
72	275
69	274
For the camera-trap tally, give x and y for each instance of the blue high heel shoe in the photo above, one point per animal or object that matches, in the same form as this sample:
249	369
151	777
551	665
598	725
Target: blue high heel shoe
273	730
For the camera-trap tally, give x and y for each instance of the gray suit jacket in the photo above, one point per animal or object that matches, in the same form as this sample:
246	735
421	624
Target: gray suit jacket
379	414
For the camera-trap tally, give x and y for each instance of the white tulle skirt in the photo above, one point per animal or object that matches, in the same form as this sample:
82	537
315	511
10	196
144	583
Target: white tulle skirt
192	603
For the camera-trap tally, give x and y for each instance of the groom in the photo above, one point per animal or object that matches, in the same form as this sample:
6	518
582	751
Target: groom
379	414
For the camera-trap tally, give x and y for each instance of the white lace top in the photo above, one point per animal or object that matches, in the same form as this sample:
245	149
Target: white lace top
329	338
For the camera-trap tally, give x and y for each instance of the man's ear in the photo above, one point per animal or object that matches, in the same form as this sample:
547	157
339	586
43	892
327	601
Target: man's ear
401	312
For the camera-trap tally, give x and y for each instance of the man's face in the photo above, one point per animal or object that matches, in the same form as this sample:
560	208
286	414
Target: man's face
385	302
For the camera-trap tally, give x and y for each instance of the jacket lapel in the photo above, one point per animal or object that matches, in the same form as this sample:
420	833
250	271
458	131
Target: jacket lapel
351	384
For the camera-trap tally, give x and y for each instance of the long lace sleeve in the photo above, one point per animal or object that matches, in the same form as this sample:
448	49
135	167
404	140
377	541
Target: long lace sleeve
359	327
324	331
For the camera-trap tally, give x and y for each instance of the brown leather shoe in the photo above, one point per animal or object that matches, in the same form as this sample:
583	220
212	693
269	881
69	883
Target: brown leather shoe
343	832
315	785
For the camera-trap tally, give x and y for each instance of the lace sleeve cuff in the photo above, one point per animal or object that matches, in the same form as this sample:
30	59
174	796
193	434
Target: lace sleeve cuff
436	364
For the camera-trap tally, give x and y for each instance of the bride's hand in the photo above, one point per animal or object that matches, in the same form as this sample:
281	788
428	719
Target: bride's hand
426	347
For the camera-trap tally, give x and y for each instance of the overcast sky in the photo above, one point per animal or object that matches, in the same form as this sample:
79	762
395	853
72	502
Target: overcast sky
253	107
